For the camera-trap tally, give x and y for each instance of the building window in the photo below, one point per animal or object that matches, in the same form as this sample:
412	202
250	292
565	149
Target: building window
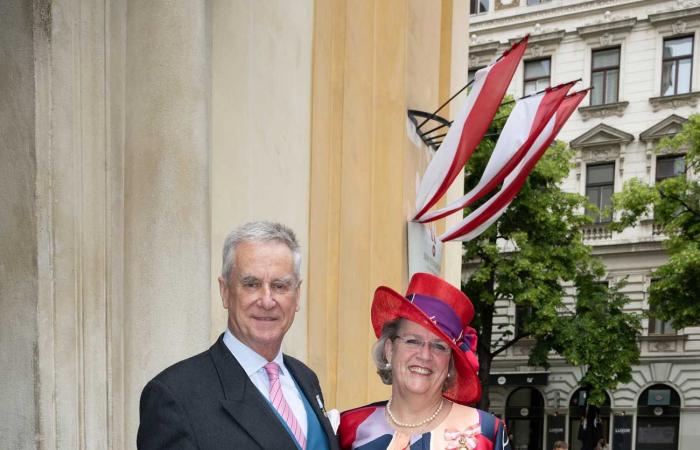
598	417
537	2
478	6
522	317
658	417
657	326
669	166
605	76
600	183
537	73
525	418
677	65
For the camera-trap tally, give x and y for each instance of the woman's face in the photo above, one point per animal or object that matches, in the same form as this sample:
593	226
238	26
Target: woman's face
420	361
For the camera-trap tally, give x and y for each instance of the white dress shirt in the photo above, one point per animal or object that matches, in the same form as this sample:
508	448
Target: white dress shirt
254	366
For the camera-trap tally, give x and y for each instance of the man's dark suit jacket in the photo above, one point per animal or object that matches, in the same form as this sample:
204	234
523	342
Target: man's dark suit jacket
207	402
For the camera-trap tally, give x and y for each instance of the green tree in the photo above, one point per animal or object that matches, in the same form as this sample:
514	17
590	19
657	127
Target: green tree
543	225
674	204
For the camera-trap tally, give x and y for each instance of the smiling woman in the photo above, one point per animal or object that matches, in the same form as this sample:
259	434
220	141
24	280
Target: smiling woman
425	351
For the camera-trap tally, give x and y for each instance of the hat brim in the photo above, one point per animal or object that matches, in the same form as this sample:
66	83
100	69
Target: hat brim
389	305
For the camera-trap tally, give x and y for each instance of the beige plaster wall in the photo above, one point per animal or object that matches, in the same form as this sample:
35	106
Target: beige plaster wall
455	57
166	190
372	61
18	267
261	90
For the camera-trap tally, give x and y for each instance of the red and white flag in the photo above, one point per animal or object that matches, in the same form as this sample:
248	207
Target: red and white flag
526	122
470	125
485	215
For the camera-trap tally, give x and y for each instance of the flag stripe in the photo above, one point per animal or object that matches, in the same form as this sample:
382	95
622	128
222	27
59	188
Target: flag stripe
511	146
468	128
488	213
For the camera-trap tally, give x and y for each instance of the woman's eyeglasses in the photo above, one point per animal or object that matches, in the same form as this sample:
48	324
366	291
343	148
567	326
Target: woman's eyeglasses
416	343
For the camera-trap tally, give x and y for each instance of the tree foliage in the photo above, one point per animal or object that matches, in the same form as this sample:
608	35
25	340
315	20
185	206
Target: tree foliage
544	254
674	204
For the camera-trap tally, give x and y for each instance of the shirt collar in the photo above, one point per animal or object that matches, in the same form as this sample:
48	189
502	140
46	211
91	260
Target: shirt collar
249	359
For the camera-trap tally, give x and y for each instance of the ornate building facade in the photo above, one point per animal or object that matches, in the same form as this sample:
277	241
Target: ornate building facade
641	57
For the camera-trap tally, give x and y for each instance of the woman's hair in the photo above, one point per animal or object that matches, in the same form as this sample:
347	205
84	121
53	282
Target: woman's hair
390	331
560	445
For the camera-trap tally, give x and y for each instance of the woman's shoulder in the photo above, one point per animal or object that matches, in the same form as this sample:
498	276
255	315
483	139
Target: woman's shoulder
490	424
360	411
352	418
369	417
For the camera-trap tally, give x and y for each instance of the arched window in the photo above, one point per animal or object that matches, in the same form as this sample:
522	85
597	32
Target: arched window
658	412
525	418
593	431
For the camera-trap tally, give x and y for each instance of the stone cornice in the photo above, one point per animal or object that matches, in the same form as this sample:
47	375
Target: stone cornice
542	43
671	16
548	37
486	47
616	26
552	14
675	101
599	111
482	54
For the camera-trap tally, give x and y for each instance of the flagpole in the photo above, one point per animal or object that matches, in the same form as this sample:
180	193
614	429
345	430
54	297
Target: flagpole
445	104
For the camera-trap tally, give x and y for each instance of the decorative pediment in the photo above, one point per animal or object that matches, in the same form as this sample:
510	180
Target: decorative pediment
670	126
609	31
601	136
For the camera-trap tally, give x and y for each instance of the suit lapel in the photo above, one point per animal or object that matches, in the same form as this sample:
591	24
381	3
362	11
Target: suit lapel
245	404
313	395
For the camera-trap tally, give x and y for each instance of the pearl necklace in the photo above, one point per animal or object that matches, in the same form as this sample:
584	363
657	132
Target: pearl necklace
413	425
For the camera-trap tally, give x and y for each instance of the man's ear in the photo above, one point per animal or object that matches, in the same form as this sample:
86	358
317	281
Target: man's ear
298	294
223	290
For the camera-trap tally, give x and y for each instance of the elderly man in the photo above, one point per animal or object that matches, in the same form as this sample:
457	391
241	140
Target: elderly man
243	393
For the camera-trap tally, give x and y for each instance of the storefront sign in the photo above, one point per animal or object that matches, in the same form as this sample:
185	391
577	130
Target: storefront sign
556	428
519	379
622	433
424	249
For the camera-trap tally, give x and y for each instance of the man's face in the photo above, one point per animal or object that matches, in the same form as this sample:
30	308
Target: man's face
261	295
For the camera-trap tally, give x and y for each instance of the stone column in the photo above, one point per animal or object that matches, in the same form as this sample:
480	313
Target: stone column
166	191
18	265
104	211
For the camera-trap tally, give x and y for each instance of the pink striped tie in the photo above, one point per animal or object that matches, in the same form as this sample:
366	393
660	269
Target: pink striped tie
281	405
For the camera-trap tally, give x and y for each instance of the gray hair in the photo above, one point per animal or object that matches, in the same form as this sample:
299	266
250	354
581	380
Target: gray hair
390	331
259	231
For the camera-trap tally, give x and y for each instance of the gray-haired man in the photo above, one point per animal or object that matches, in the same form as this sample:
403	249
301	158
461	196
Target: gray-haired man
243	392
